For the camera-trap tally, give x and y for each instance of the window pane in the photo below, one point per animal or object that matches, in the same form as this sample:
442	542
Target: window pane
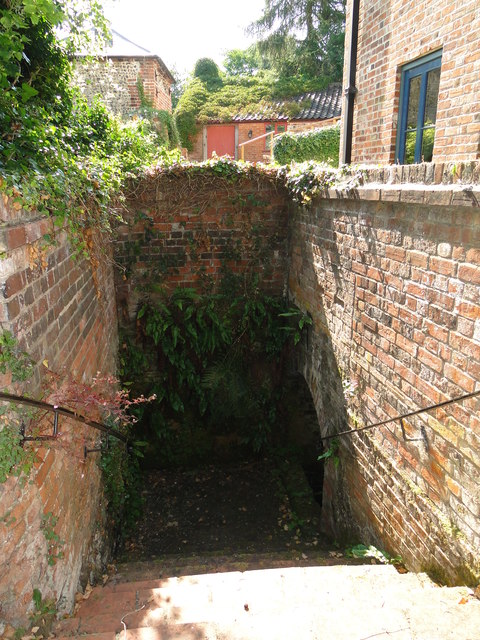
427	144
433	83
281	128
410	147
413	101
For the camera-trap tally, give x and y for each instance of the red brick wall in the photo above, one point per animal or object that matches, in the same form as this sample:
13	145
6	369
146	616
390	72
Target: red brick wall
187	237
391	277
255	151
52	305
396	32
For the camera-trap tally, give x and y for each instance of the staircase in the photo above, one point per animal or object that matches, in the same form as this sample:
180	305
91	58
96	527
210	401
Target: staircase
216	557
272	598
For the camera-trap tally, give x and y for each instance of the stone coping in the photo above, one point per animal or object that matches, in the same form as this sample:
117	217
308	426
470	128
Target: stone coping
439	184
435	194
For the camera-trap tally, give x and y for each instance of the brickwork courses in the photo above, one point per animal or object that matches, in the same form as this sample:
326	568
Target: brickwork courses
188	242
395	32
390	274
61	317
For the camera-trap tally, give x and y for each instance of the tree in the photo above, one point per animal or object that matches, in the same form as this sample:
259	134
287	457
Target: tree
242	62
303	37
208	72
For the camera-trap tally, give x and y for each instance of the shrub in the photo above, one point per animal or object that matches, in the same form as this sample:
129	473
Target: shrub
322	145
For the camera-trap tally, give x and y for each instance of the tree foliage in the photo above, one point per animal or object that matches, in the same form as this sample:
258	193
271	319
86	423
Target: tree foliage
58	154
303	37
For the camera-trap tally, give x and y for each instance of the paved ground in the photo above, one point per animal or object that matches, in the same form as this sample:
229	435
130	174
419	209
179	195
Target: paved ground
239	508
220	556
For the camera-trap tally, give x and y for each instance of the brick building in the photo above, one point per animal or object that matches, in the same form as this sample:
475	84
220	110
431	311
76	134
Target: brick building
417	80
116	74
315	110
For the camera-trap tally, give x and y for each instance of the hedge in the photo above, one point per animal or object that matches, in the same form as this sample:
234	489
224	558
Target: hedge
322	145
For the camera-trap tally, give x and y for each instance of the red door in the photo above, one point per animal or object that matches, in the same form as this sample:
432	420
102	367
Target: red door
221	139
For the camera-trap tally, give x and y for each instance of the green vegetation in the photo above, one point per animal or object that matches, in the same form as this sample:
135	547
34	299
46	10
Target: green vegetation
322	145
122	482
214	363
57	154
362	551
331	453
18	363
283	64
303	39
54	543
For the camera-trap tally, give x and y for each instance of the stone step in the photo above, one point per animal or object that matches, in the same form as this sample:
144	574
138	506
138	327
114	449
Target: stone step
177	565
291	602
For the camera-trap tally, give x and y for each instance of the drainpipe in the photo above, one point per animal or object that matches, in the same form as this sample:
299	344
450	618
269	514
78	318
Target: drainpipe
351	90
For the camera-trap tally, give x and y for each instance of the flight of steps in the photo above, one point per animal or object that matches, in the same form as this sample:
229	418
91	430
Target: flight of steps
230	600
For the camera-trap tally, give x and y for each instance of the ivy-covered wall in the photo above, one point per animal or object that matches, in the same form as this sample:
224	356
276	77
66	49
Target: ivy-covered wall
187	227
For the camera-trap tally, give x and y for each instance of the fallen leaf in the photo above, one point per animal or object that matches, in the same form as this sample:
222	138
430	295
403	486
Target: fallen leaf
246	607
88	591
463	600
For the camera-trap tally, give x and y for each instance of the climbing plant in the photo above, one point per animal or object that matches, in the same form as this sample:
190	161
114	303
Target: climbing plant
59	155
322	145
214	362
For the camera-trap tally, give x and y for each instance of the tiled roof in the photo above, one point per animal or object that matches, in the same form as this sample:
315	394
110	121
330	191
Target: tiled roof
318	105
123	47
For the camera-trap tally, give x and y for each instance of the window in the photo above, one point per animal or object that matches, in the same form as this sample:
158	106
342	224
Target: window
418	109
276	127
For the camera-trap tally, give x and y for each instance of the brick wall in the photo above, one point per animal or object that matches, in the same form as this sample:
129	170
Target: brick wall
65	316
395	32
115	81
184	232
390	273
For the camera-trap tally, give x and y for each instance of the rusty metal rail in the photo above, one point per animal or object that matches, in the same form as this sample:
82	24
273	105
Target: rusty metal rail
60	411
402	417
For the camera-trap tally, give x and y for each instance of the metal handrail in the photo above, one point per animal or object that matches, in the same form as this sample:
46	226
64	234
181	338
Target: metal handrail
403	416
60	411
242	145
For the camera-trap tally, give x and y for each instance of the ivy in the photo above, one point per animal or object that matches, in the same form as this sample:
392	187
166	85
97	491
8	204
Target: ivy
14	459
13	360
214	363
59	155
321	145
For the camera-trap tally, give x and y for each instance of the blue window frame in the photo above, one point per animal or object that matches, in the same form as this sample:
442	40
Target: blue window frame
418	109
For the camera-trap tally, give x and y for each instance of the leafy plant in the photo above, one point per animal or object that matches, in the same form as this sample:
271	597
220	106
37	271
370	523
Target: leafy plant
321	145
331	453
12	359
122	481
44	613
48	524
218	363
14	459
59	155
362	551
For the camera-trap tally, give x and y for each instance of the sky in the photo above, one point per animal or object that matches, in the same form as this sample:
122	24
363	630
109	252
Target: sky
182	31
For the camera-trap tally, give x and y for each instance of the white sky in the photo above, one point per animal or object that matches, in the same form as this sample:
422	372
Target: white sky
182	31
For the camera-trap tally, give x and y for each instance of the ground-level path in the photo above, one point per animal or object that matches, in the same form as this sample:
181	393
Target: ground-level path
227	553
